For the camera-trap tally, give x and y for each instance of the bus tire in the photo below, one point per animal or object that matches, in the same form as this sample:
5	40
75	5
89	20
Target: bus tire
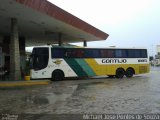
129	73
58	75
120	73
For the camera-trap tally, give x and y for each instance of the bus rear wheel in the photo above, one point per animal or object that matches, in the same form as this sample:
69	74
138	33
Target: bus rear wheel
57	75
120	73
129	73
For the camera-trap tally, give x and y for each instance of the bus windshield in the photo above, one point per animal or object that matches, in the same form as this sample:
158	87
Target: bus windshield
39	58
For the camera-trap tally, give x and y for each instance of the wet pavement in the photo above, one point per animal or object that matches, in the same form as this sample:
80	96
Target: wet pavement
137	95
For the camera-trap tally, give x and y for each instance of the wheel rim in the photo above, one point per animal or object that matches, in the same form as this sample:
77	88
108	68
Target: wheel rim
129	73
57	75
120	74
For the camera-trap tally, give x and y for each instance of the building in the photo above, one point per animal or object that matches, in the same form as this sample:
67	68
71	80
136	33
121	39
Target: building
37	22
157	56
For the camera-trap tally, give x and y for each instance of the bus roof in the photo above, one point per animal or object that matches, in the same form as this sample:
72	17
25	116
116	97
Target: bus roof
74	46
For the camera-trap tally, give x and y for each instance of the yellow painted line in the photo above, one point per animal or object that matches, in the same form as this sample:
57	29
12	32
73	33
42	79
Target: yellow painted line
14	84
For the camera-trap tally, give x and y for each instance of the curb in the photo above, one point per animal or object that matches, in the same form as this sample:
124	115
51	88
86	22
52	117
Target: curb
24	83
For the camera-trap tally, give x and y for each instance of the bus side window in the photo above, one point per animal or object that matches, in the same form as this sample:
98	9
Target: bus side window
88	53
57	53
118	54
74	53
134	53
80	53
107	53
91	53
138	53
96	53
68	53
103	53
144	53
121	53
130	53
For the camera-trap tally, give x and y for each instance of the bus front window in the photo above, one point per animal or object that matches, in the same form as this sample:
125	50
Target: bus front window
39	58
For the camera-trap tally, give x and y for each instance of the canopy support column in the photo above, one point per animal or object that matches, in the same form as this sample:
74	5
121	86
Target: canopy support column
85	43
60	39
15	72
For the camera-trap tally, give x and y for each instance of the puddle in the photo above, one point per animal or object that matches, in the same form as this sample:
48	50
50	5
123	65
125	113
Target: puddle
93	84
52	97
38	100
41	100
86	85
49	98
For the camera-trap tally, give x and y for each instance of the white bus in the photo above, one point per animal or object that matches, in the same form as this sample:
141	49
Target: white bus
58	62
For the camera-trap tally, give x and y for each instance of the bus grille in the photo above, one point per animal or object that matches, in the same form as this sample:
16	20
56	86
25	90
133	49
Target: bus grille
143	69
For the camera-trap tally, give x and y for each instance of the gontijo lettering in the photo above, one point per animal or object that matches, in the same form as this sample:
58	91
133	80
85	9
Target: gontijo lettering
114	61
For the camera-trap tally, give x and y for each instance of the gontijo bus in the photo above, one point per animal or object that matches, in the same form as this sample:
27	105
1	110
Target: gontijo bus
59	62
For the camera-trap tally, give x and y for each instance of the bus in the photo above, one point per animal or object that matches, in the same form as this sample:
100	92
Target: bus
59	62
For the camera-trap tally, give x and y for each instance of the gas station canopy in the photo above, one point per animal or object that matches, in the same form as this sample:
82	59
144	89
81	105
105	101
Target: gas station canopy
42	21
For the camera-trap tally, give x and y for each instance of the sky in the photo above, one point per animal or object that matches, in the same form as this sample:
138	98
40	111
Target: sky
129	23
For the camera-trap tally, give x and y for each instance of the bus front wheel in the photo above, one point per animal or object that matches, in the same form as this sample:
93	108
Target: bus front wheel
129	73
57	75
120	73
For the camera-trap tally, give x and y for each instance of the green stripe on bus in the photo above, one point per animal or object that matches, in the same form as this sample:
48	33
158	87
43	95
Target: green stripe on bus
75	67
85	67
79	66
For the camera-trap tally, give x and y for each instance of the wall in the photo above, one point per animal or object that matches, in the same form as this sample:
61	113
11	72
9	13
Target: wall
5	52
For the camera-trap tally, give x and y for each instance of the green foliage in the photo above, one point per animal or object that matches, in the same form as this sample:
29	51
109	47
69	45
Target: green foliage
27	69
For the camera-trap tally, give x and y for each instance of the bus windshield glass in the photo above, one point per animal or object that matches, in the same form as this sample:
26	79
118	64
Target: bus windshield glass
39	58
